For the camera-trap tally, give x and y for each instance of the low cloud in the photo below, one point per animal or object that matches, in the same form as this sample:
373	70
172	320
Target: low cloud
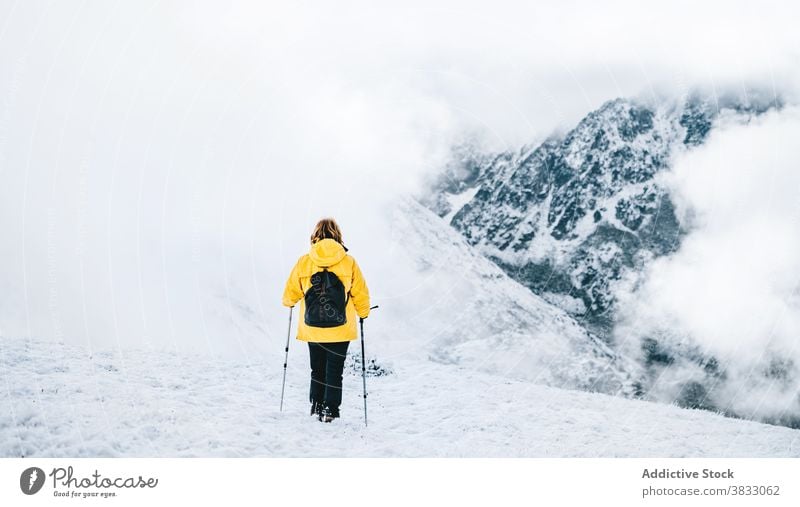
731	290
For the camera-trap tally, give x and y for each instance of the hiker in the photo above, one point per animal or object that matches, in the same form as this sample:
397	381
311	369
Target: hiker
332	293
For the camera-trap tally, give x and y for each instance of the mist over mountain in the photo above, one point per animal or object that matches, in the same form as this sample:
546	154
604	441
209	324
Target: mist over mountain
580	218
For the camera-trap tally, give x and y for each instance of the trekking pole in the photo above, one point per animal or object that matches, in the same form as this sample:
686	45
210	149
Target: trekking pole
286	357
364	368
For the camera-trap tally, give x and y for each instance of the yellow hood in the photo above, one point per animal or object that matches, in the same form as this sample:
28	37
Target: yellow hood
326	252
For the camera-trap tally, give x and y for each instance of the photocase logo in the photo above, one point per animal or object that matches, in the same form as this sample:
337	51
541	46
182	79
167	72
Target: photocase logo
31	480
68	484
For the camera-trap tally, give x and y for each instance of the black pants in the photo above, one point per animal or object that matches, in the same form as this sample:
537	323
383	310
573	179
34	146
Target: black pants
327	364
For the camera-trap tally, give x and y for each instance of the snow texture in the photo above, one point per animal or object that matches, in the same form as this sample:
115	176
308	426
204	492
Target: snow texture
58	401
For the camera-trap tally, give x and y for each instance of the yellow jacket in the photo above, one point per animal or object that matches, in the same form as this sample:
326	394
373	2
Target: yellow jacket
330	254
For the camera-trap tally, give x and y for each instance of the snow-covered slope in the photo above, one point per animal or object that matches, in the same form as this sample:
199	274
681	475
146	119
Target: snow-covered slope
460	308
463	352
59	401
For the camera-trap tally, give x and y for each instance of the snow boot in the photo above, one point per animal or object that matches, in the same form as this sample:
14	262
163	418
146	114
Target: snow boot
316	408
327	414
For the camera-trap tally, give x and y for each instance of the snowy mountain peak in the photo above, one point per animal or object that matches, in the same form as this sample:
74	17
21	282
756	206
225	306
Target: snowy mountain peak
578	216
569	217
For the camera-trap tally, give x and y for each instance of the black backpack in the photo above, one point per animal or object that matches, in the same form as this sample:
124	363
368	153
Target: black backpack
325	300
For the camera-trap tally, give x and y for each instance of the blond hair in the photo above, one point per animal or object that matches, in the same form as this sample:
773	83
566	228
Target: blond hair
327	228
